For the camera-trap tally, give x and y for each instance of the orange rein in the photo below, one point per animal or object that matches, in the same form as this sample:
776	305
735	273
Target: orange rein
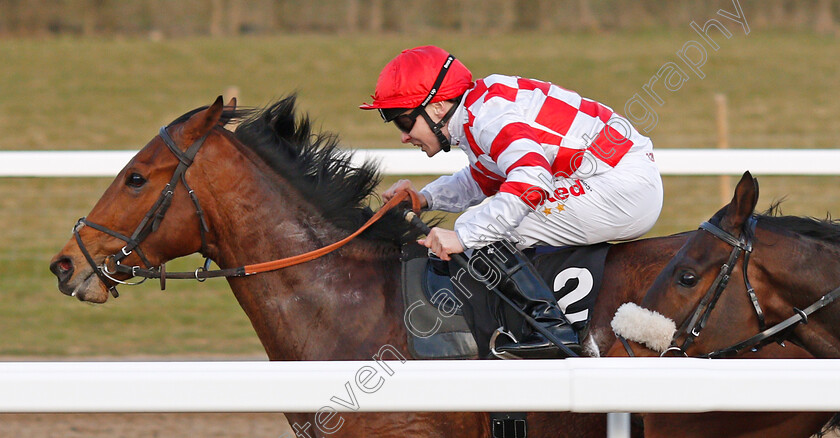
312	255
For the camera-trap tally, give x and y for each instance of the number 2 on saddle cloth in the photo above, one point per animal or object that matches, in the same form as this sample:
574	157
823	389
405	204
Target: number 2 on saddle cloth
573	273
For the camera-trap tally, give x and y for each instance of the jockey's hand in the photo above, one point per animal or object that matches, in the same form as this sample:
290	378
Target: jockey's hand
442	242
403	185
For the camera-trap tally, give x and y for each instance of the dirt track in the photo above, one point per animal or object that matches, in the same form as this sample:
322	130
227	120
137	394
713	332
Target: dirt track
149	426
158	425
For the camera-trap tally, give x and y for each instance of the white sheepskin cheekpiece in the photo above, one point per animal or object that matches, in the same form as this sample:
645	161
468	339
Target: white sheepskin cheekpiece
637	324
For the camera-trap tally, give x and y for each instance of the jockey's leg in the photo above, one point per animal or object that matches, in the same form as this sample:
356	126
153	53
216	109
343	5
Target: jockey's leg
519	281
478	307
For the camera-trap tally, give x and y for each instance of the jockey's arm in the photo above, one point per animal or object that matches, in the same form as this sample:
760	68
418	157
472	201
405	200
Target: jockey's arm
453	193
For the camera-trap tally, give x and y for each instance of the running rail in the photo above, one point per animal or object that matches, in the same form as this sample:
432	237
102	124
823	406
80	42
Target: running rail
412	162
577	385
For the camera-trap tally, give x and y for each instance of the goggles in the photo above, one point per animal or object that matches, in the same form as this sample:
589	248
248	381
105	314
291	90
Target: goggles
405	122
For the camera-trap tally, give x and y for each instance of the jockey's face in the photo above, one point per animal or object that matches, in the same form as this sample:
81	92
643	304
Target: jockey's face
421	134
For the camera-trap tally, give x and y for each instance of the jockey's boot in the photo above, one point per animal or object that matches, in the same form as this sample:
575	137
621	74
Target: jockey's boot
523	285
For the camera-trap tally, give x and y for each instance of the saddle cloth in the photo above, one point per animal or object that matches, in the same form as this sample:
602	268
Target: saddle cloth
435	325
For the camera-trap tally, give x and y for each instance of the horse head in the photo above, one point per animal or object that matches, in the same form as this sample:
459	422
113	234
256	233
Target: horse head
678	305
144	216
748	279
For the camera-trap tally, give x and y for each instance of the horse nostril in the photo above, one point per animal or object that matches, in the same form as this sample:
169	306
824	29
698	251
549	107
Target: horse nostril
62	268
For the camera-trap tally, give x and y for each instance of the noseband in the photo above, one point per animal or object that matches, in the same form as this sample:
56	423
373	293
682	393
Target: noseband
695	324
151	221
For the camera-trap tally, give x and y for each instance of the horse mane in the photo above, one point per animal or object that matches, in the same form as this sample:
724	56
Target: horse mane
826	230
313	164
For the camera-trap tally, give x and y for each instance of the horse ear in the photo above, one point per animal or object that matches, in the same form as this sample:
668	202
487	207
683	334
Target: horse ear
203	121
231	105
742	205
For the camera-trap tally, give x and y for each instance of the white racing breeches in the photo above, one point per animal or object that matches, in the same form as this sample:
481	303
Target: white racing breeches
621	204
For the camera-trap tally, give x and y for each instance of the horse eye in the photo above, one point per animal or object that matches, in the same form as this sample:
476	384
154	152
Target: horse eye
135	180
688	279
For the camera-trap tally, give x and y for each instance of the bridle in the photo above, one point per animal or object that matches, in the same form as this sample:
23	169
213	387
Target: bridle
112	265
692	326
150	222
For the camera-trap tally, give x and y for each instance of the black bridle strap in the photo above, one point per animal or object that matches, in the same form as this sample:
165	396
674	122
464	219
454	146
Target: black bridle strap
769	335
749	230
89	258
766	335
203	228
130	243
745	244
692	327
150	222
626	346
159	209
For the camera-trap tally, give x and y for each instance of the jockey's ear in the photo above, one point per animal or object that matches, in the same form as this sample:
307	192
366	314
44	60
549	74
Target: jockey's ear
440	108
742	205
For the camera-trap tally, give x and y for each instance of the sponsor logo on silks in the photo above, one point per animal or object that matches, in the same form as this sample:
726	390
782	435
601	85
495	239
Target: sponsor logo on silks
650	156
563	193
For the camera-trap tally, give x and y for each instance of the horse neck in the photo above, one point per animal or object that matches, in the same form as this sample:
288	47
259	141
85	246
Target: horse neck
797	271
344	300
629	272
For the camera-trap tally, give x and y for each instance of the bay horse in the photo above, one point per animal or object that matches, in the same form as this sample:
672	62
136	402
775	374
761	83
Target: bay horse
273	189
747	282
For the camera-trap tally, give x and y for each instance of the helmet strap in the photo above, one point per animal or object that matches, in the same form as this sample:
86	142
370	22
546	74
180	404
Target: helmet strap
437	127
444	142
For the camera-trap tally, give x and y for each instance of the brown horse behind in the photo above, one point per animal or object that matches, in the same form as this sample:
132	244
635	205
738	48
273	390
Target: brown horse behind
777	266
271	190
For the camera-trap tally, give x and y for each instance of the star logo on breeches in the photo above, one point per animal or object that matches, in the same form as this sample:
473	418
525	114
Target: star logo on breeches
548	210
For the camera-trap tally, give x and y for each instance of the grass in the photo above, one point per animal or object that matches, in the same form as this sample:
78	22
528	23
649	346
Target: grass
113	94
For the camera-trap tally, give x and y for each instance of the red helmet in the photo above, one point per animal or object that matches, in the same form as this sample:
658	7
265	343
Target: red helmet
407	81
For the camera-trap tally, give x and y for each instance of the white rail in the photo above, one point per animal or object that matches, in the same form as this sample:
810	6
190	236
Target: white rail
578	385
414	162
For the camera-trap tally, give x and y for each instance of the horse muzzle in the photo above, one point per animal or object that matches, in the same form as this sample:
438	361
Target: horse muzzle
62	267
83	283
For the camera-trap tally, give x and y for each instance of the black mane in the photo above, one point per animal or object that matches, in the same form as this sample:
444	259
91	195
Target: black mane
826	230
314	164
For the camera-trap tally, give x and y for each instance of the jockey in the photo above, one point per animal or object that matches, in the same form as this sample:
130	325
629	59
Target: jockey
559	169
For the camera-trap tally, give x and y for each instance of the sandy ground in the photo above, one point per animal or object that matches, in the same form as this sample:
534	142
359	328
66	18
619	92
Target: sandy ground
144	425
158	425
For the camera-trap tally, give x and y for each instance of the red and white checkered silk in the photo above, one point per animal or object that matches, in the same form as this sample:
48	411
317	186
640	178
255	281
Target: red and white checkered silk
522	134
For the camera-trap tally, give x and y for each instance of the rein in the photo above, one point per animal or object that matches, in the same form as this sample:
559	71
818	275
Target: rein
111	265
692	327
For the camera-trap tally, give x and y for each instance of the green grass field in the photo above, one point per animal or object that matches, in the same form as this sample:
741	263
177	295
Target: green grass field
114	94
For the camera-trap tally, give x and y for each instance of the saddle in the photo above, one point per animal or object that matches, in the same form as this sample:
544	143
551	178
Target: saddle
433	318
434	314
